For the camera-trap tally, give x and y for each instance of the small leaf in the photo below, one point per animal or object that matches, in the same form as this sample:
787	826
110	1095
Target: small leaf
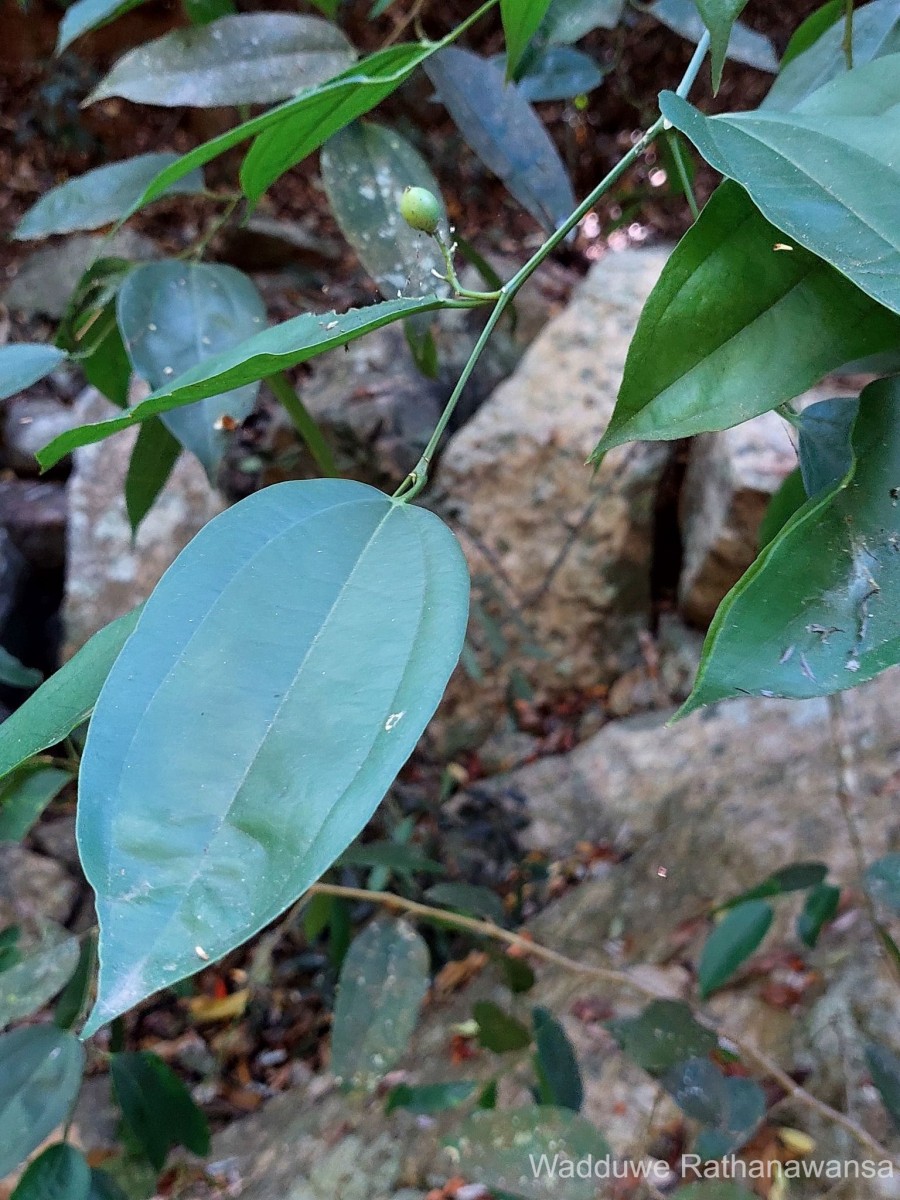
391	855
743	45
42	972
884	1066
380	991
559	73
24	363
820	908
60	1173
468	898
729	1107
152	460
519	976
558	1066
732	942
202	12
568	21
156	1106
521	19
15	674
719	17
796	877
24	795
809	31
824	446
100	197
429	1098
664	1034
503	1149
497	1030
66	700
40	1074
882	880
504	131
85	15
72	1003
90	332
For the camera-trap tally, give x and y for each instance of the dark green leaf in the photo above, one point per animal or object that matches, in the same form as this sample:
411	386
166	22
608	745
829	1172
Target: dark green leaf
156	1106
9	943
744	45
884	1066
820	908
468	898
719	17
359	611
100	197
422	346
729	1107
883	882
201	12
90	14
731	943
816	611
809	31
65	701
89	330
104	1187
274	349
568	21
664	1034
519	975
504	131
152	459
60	1173
42	971
826	174
24	795
15	674
430	1098
796	877
497	1030
556	1060
392	855
380	991
559	73
824	445
40	1074
707	355
24	363
175	316
789	497
521	19
73	1001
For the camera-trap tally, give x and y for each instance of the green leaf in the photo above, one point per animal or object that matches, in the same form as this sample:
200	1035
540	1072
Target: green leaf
274	349
884	1066
60	1173
174	316
24	795
152	459
504	131
521	19
429	1098
707	355
65	701
101	196
816	612
381	988
15	674
664	1034
359	609
743	45
568	21
498	1031
876	32
248	58
715	1190
85	15
104	1187
42	972
882	882
389	854
89	330
559	73
519	976
826	174
202	12
365	169
328	7
9	951
72	1003
557	1064
820	908
787	500
498	1146
719	17
468	898
824	446
156	1106
24	363
40	1074
731	943
796	877
730	1108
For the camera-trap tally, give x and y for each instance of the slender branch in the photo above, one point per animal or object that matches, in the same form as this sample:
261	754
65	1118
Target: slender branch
847	40
616	978
304	423
683	176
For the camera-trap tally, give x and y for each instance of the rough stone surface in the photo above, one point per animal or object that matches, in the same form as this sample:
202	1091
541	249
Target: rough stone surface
105	575
33	886
731	477
34	514
28	425
559	554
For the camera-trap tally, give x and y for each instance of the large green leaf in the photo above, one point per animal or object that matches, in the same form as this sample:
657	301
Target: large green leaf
365	169
24	363
85	15
65	701
101	196
731	943
708	354
664	1034
743	45
24	795
504	131
827	173
382	984
264	354
521	19
719	17
568	21
42	972
60	1173
816	613
247	58
175	315
157	1107
876	32
278	678
40	1074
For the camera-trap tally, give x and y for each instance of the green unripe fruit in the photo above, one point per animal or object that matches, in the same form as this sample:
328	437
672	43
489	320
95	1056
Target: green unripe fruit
420	209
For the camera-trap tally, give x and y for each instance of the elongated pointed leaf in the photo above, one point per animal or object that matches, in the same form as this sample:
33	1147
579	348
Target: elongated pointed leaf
731	943
40	1074
247	58
85	15
200	818
23	797
810	30
60	1173
827	173
521	19
381	988
708	355
65	701
795	877
24	363
816	613
156	1105
42	972
743	45
556	1061
264	354
14	673
719	17
568	21
152	459
820	907
100	197
504	131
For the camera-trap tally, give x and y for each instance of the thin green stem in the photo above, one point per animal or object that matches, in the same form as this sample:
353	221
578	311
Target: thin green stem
693	67
683	175
847	41
283	390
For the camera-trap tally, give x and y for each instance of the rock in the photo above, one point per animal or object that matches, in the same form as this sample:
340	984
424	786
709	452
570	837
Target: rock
32	886
266	244
731	477
13	570
29	423
105	575
560	555
34	515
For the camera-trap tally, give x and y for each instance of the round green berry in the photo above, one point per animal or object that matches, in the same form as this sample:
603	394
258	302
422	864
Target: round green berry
421	209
